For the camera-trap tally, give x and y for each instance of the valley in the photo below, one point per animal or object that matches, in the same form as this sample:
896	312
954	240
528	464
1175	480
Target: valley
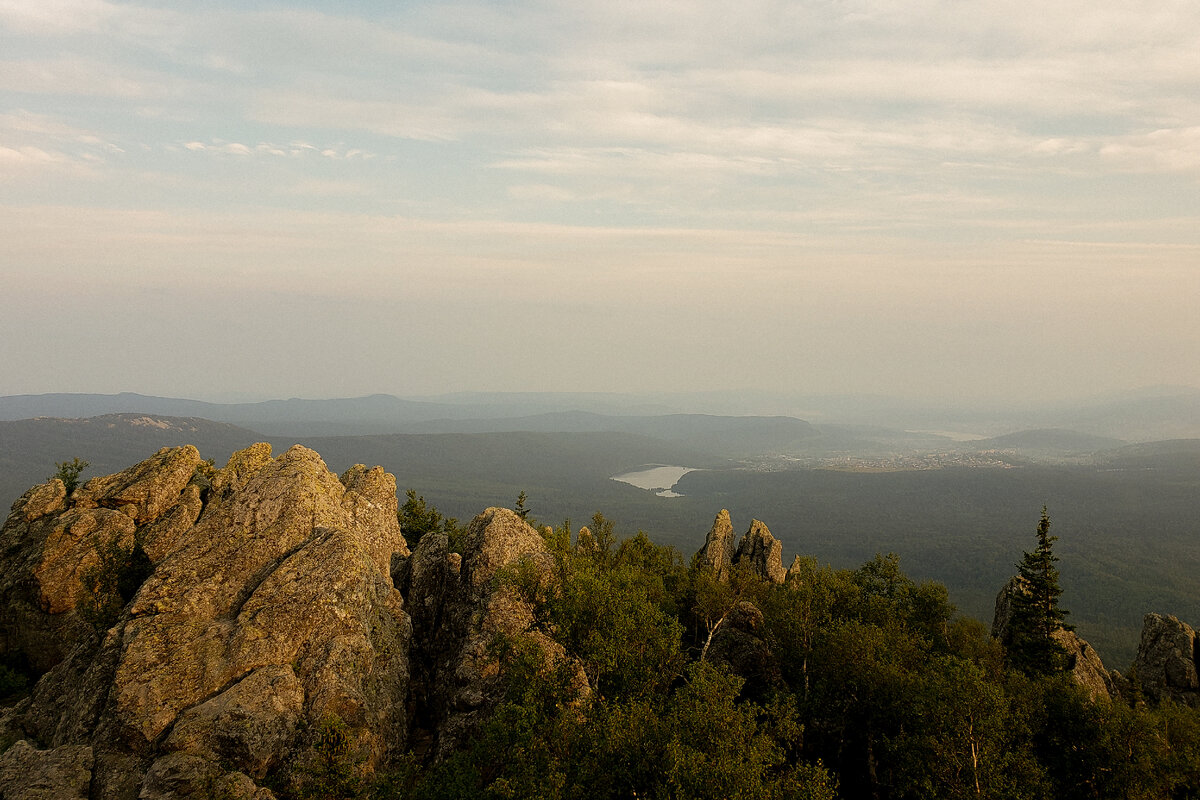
958	512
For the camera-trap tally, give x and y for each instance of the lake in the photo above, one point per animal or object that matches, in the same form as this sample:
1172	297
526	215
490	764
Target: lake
656	476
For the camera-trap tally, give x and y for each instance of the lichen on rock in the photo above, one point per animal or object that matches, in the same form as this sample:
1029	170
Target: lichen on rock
271	592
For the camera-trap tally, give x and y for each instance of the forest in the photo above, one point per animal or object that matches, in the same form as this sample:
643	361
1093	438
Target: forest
859	683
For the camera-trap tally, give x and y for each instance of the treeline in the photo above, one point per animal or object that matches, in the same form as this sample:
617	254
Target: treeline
838	683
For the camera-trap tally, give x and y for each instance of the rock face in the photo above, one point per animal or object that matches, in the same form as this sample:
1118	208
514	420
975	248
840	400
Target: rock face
1166	660
1085	665
279	600
27	773
1082	659
269	609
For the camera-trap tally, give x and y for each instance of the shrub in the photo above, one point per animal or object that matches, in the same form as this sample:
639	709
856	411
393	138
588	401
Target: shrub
68	472
112	582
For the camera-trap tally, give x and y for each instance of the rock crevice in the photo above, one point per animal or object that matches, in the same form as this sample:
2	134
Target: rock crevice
271	591
757	548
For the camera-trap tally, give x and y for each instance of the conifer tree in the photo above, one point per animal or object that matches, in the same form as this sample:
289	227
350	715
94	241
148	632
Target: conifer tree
1036	615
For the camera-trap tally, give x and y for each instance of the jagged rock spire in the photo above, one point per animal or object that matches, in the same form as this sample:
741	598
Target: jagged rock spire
763	551
717	552
757	547
796	568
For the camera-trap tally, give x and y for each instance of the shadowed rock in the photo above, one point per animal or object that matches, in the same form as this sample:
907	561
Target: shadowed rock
1166	660
27	773
739	645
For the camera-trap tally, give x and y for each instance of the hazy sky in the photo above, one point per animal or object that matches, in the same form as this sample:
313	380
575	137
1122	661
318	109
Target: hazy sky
328	199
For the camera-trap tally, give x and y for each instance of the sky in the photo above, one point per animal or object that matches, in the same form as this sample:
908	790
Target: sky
928	199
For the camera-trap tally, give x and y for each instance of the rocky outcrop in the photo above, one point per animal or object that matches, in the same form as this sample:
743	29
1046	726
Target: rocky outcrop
738	644
1085	665
461	607
736	641
758	549
585	542
763	552
1165	665
1002	615
796	569
269	609
717	552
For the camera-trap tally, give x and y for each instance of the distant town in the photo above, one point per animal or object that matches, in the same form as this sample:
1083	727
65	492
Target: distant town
994	459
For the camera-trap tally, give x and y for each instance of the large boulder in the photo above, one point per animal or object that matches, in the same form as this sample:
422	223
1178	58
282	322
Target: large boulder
269	611
50	543
1165	665
1085	665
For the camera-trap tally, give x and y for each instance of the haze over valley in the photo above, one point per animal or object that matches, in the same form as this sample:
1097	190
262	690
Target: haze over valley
956	509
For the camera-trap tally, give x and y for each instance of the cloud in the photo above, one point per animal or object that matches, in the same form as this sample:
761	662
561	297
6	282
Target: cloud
292	150
35	145
55	16
28	155
805	162
1164	150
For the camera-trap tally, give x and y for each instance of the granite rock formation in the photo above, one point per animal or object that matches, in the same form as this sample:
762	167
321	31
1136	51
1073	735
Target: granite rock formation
458	610
280	599
1165	665
763	552
717	551
757	548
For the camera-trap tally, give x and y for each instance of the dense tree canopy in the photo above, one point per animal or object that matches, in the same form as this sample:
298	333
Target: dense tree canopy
838	683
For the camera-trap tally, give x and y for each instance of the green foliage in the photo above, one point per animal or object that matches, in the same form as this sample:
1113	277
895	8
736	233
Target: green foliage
11	681
609	619
68	472
882	692
711	601
603	537
204	474
1036	615
418	518
716	747
110	583
334	769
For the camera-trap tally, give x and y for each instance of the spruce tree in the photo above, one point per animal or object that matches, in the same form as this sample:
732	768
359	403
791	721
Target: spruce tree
1036	615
